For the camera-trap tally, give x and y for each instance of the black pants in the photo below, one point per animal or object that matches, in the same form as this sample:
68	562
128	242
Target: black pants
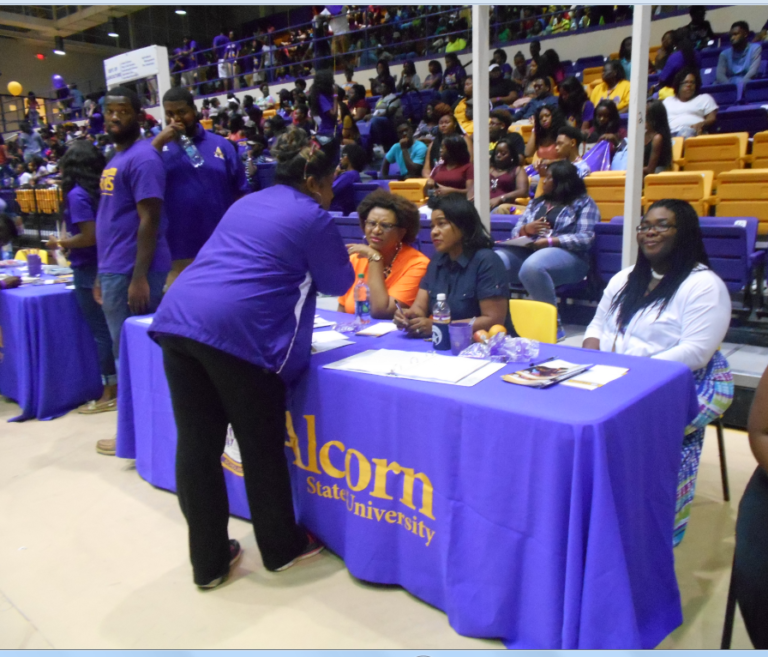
209	390
751	563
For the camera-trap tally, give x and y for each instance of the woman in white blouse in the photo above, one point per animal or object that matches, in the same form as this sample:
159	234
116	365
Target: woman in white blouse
672	306
688	111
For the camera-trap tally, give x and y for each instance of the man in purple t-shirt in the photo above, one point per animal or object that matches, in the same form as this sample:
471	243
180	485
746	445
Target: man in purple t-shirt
133	254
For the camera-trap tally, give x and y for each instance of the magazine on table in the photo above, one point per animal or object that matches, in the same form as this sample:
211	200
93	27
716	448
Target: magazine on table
545	374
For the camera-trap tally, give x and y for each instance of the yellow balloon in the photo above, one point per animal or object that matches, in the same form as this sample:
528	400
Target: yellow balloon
14	88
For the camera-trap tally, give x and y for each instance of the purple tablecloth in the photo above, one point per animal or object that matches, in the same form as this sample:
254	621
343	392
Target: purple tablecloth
48	361
540	517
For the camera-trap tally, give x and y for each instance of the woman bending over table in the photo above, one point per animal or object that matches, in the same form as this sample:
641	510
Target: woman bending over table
81	168
391	267
672	306
464	268
235	329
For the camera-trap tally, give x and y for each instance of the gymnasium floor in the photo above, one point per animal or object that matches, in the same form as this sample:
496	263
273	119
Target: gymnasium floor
91	556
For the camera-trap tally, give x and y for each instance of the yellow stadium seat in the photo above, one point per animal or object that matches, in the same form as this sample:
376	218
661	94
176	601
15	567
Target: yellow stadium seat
523	129
22	254
759	156
743	193
207	124
594	74
26	200
534	320
677	151
268	114
692	186
715	153
607	190
411	189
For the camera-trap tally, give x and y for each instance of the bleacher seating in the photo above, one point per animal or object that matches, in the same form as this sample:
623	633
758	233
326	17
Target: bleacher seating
607	190
759	156
361	190
589	62
715	152
607	250
755	91
709	57
692	186
739	119
708	76
743	193
411	189
725	95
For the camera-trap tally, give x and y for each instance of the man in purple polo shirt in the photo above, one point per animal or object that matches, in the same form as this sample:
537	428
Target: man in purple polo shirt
133	254
188	62
196	198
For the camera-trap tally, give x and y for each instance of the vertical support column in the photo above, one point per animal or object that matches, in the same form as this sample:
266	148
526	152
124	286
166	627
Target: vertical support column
480	84
633	191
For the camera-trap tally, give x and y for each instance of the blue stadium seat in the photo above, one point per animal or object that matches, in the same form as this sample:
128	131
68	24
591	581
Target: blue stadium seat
361	190
725	95
709	57
588	62
708	76
755	91
741	119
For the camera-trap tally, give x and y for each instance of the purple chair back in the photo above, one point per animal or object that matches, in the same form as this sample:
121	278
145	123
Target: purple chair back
755	91
738	119
361	190
708	76
724	94
709	57
607	249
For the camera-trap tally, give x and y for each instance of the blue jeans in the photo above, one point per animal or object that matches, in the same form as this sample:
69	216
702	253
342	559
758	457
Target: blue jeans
541	271
84	278
114	296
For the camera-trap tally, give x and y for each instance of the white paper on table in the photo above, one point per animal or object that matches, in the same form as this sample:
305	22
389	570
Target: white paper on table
322	323
409	365
481	374
524	240
327	340
596	377
379	329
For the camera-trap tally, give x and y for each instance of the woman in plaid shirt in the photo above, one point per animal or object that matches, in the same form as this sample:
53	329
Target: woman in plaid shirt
560	224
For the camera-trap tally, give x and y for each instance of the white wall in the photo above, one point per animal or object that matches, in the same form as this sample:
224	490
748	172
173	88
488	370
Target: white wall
568	47
20	65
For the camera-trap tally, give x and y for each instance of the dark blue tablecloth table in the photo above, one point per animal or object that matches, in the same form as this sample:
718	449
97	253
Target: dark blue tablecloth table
539	517
48	360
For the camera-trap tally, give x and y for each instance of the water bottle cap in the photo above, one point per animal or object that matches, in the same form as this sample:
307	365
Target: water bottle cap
441	297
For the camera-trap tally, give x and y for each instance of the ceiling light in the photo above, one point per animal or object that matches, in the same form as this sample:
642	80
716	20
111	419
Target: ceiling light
58	46
180	11
113	28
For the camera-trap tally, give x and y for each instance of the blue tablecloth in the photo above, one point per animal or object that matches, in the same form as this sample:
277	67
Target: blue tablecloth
48	360
540	517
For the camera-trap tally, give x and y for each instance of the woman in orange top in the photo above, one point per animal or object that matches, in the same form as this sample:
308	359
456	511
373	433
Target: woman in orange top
392	268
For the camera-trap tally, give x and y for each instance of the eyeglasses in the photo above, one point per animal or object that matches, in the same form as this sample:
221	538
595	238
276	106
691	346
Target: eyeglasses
385	227
659	228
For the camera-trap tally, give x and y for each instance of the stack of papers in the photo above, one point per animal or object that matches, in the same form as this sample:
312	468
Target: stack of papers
596	377
327	340
545	374
418	366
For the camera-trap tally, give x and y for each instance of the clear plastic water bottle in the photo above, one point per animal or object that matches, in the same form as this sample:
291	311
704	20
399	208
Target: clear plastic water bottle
7	252
191	150
441	320
362	301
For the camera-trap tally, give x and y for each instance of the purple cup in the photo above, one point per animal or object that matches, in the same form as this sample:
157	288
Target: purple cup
34	265
461	336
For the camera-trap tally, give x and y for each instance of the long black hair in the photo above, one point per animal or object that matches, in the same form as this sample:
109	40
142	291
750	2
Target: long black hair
577	97
550	133
656	119
462	214
625	50
614	120
687	252
322	86
456	149
82	165
568	184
